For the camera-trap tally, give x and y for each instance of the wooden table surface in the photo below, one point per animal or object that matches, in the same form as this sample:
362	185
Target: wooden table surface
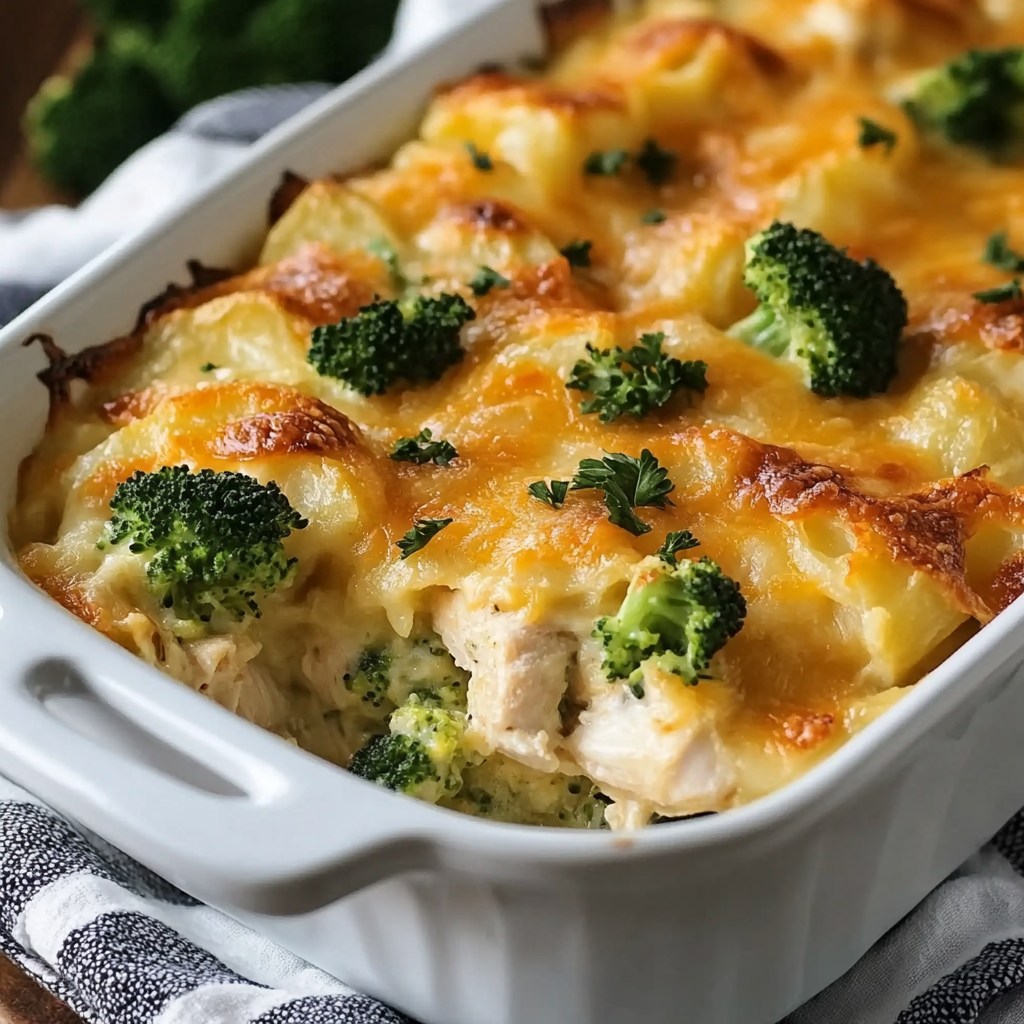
36	37
24	1002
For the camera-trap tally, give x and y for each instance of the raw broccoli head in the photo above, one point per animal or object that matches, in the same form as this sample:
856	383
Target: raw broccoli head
975	100
423	754
209	47
328	40
203	51
156	59
840	319
114	14
682	616
214	539
388	341
79	129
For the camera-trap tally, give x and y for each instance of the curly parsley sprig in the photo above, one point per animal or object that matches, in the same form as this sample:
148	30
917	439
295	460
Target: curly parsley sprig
871	134
676	541
553	494
422	533
1008	292
485	279
1001	255
656	164
634	381
422	449
627	483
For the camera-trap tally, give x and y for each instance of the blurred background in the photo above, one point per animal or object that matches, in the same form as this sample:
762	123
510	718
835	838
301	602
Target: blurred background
84	83
35	38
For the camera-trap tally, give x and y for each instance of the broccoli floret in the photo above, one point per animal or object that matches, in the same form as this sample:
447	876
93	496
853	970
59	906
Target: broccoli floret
209	47
372	677
398	762
839	319
156	59
213	540
317	40
504	790
975	100
113	14
681	616
79	129
388	341
387	674
423	753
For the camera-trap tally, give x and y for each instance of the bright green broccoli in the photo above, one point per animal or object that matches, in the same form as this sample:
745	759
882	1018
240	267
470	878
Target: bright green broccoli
80	129
422	755
157	59
412	340
386	674
213	541
681	616
397	762
975	100
839	319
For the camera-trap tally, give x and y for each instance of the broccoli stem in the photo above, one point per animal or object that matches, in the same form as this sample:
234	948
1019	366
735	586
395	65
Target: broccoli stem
763	330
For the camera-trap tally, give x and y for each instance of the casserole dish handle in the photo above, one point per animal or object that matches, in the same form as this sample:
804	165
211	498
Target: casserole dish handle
227	811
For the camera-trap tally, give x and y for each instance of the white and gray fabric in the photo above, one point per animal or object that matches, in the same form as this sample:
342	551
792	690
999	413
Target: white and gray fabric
122	946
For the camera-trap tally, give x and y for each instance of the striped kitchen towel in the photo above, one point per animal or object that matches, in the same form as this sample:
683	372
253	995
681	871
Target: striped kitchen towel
122	946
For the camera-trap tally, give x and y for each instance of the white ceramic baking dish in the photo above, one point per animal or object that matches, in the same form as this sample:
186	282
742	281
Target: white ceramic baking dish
733	919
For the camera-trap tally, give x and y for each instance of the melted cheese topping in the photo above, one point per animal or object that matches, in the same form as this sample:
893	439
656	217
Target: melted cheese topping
870	537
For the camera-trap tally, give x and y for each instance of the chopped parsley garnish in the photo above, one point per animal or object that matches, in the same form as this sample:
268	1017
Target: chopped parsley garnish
656	163
874	134
606	163
1000	255
1001	293
577	253
487	278
627	483
634	381
481	161
207	367
387	341
422	449
676	541
553	494
385	251
422	533
653	216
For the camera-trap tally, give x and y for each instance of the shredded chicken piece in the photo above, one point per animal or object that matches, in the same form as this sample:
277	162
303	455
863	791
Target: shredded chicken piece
518	675
662	749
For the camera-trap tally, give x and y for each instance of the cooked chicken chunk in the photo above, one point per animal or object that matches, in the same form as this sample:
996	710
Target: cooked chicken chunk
662	749
518	675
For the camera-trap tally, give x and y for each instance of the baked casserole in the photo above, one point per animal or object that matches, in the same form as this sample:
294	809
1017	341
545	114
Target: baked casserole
643	430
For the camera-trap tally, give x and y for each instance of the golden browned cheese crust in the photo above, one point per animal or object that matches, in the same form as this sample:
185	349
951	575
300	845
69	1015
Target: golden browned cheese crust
870	537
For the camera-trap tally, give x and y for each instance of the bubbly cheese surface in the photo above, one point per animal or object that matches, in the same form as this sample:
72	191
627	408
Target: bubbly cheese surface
870	537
